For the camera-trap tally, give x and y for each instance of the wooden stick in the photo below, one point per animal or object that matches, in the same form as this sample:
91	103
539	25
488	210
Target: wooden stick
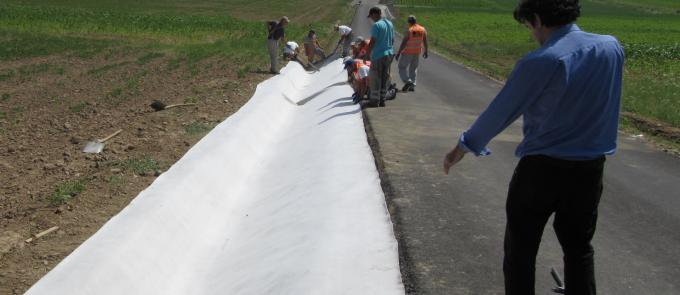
178	105
111	136
45	232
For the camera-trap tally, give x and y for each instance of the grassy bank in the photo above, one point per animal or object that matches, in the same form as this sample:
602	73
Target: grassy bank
483	35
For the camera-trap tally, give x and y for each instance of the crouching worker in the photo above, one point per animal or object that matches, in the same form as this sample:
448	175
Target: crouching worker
291	52
357	71
360	49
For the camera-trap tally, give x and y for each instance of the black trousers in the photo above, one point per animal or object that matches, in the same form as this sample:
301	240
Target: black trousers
542	186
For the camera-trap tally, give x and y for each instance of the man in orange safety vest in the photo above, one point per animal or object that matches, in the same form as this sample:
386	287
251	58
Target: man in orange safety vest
415	39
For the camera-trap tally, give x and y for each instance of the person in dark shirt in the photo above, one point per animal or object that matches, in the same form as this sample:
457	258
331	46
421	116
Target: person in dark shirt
569	94
276	33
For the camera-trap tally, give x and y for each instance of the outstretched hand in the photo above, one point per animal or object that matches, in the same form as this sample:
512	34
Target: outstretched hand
452	158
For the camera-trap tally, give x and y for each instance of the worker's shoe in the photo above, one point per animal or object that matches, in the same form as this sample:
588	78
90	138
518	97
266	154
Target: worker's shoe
412	88
407	87
356	98
381	103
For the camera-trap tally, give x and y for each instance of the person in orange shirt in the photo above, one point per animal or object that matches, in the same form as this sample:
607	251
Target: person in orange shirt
312	47
362	48
357	70
415	39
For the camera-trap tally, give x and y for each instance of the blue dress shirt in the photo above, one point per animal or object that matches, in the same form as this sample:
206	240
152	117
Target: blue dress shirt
568	91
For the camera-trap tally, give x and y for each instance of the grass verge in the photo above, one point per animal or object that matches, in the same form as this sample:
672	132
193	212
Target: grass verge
484	36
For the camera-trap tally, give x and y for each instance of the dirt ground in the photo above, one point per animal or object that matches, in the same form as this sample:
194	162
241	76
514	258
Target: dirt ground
54	105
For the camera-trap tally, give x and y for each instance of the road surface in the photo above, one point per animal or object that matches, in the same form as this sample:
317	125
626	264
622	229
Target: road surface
451	228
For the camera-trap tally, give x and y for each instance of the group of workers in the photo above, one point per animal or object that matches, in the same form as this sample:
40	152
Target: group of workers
574	74
367	60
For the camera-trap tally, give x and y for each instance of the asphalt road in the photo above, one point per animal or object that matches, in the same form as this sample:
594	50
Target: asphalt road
450	228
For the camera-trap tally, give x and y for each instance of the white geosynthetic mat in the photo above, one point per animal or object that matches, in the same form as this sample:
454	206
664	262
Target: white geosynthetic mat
278	199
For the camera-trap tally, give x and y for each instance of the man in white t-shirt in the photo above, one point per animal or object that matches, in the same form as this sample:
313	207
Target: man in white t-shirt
291	51
346	37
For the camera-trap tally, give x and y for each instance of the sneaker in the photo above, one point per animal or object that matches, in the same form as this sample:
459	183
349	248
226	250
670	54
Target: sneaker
381	103
412	88
406	87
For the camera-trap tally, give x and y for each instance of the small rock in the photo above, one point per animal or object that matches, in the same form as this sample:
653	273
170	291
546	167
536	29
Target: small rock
129	147
49	167
45	262
67	126
157	173
116	170
74	140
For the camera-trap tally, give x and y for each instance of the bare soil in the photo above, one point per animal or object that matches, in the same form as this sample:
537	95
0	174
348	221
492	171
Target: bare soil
654	127
47	116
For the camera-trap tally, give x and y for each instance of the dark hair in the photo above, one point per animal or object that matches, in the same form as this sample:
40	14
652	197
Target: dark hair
311	32
553	13
411	19
375	10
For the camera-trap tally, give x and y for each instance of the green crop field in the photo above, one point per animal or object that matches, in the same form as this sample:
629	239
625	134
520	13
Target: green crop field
191	30
483	34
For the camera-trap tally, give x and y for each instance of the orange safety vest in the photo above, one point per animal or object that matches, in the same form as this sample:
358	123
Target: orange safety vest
414	45
358	64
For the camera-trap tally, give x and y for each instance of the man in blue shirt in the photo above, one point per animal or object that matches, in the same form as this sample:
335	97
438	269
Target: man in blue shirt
568	92
381	52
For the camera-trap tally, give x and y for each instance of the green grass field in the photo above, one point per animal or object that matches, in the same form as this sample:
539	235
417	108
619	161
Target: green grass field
189	30
483	34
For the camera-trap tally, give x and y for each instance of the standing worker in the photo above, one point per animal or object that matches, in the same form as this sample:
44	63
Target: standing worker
346	37
381	52
569	94
276	33
415	38
312	47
